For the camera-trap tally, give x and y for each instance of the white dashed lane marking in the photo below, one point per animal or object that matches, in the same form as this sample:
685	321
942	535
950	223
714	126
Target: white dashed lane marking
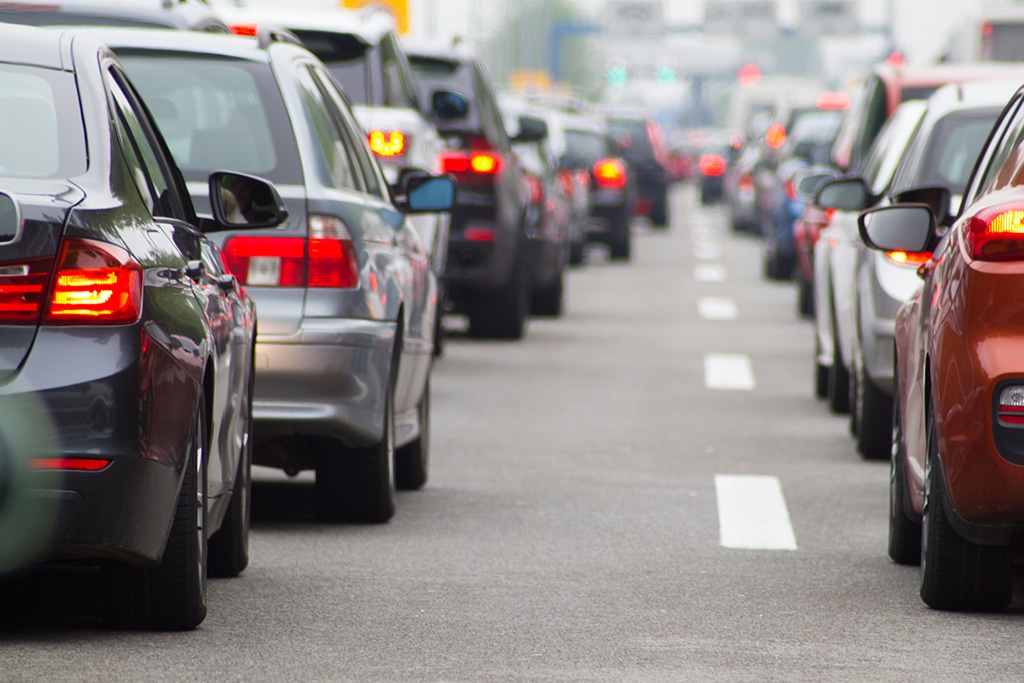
707	251
728	371
752	513
715	308
709	272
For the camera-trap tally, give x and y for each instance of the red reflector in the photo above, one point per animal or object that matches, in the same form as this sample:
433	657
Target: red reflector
1011	414
96	283
775	137
80	464
996	234
610	174
908	258
474	234
387	144
244	29
642	207
712	165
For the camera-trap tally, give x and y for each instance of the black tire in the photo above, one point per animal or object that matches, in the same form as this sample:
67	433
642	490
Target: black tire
548	302
620	242
955	573
359	485
838	379
904	529
172	595
439	333
229	547
821	372
873	408
805	299
412	461
578	253
659	215
503	313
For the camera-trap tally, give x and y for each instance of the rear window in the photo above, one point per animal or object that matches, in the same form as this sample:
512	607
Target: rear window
1003	42
584	148
217	114
346	57
41	134
632	138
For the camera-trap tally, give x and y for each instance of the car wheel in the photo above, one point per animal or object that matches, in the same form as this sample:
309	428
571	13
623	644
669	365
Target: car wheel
821	372
548	301
659	215
172	595
578	252
358	485
413	459
873	409
502	314
229	547
904	530
620	242
805	299
838	379
955	573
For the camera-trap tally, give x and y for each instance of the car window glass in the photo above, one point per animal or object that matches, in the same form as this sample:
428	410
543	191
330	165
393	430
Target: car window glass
338	167
585	148
876	110
887	150
159	182
491	120
1006	167
347	58
397	87
217	114
954	147
355	137
41	134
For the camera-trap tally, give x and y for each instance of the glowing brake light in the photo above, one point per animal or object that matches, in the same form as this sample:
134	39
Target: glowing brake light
712	165
610	174
775	137
96	284
78	464
248	30
908	258
327	258
833	101
996	234
387	144
478	163
1011	405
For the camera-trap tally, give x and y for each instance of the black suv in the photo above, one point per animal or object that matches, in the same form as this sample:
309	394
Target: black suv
640	143
488	267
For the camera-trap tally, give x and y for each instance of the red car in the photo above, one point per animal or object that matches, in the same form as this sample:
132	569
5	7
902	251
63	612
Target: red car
957	485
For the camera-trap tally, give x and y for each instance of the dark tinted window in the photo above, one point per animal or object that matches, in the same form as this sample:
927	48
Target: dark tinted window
632	138
439	74
41	133
398	88
217	114
953	149
348	59
584	148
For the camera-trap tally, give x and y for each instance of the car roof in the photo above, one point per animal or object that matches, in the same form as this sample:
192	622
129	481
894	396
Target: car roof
455	52
223	45
370	25
34	46
973	94
940	74
182	14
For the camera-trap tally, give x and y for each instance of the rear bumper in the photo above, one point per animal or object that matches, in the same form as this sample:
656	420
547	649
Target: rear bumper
328	379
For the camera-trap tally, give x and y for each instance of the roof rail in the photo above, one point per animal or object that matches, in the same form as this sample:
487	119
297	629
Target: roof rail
265	35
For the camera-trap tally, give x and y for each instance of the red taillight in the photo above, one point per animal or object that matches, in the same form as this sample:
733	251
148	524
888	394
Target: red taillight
775	137
327	258
478	163
996	234
387	144
610	174
791	188
568	182
712	165
95	283
746	183
244	29
79	464
21	290
1011	405
830	213
480	234
908	258
536	189
833	101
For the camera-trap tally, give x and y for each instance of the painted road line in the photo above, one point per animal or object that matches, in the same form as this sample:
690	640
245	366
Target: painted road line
707	251
728	371
709	272
714	308
752	513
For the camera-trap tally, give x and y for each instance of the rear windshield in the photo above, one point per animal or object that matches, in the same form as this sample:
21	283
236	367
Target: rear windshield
632	139
346	57
953	148
584	148
41	134
217	114
1004	42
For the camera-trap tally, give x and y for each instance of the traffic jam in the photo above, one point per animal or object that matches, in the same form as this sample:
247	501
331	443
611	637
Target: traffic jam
468	355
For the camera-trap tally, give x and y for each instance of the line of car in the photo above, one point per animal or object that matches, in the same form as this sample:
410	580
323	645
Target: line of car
908	254
224	250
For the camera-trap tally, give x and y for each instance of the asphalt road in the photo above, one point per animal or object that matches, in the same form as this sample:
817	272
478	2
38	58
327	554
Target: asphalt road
597	511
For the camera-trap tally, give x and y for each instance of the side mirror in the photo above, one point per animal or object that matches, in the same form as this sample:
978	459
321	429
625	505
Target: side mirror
10	220
808	182
898	227
423	193
937	197
244	201
844	194
446	105
531	129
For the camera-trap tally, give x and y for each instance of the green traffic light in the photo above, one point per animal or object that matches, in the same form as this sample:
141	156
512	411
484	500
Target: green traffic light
618	76
665	75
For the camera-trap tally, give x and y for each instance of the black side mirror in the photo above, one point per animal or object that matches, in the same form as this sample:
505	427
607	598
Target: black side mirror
425	193
446	105
10	220
808	182
939	198
531	129
244	201
845	194
898	227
